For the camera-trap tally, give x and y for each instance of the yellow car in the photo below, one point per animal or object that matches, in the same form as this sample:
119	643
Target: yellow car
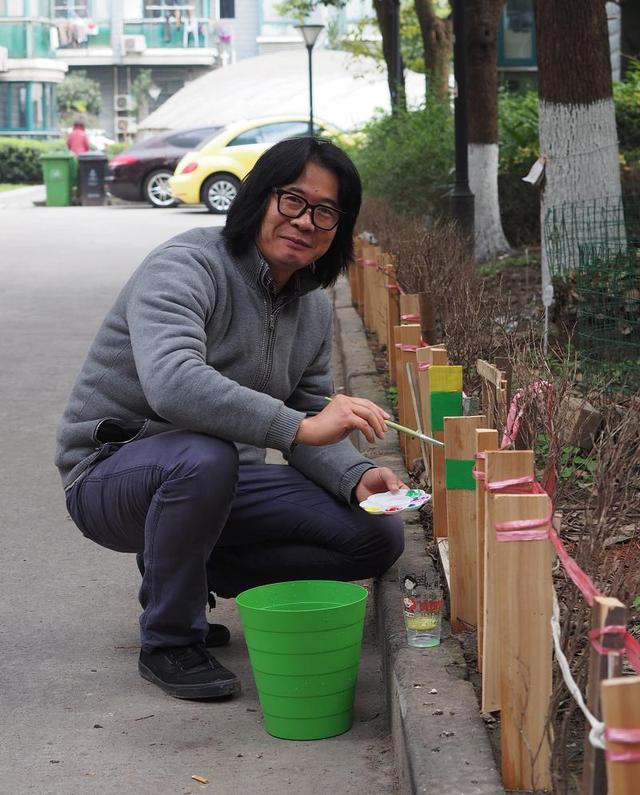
211	175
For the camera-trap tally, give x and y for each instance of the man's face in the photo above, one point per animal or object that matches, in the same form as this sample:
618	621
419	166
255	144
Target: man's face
289	244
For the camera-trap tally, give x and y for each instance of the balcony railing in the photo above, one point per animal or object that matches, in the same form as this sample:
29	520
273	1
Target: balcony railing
26	38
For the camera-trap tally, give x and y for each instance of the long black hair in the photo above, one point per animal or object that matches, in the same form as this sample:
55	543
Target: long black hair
281	165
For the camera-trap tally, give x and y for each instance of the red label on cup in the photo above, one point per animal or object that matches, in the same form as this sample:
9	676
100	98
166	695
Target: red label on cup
409	604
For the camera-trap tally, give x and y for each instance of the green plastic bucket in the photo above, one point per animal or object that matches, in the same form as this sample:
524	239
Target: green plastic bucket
304	640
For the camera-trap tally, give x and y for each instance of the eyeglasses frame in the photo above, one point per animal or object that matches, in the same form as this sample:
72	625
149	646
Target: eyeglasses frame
308	206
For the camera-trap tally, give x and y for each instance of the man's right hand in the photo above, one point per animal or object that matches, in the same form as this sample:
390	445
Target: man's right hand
341	416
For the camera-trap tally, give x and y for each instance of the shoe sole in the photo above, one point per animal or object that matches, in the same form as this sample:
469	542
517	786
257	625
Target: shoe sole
227	687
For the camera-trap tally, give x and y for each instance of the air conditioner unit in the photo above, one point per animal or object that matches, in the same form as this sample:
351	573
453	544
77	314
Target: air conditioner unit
123	102
4	59
131	44
126	125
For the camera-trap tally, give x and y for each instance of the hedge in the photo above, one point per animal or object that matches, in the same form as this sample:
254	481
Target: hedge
20	159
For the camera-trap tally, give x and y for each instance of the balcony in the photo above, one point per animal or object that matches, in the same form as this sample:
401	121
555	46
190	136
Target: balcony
26	38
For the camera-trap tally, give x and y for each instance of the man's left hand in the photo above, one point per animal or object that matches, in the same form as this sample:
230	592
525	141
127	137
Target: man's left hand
376	480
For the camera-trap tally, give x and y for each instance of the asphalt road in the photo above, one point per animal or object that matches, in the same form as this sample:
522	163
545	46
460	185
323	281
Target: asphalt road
75	715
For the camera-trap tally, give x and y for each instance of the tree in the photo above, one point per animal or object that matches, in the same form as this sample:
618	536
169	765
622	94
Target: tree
483	17
140	91
578	137
78	95
425	28
437	40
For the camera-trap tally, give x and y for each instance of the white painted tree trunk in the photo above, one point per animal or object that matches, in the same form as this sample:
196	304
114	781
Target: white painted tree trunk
580	146
483	181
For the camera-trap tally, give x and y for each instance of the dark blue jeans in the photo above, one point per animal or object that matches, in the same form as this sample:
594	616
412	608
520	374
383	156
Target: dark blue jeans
204	523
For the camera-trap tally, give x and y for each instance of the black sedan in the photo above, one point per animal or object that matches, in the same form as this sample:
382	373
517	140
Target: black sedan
142	172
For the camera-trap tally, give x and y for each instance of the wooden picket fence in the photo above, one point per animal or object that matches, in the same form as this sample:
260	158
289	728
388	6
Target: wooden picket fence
485	502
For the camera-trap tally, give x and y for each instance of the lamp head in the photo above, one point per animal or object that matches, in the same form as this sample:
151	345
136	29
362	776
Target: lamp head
310	33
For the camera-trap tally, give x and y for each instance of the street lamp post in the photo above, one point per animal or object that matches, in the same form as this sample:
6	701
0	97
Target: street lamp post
310	34
461	198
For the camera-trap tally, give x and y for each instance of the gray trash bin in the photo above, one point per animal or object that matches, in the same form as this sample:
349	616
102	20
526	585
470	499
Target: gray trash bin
91	167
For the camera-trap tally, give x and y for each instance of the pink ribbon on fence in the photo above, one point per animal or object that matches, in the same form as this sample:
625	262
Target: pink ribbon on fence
411	318
477	475
370	263
626	736
401	346
424	365
612	629
632	650
516	411
499	485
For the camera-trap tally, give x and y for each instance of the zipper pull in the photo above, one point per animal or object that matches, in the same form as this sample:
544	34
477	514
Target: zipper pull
272	322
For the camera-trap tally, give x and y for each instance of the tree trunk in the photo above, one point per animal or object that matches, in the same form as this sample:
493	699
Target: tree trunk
577	119
482	80
388	16
437	40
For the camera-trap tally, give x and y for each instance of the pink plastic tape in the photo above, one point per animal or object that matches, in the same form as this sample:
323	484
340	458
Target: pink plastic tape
370	263
407	348
480	456
632	650
477	475
626	736
579	578
499	485
424	365
598	632
411	318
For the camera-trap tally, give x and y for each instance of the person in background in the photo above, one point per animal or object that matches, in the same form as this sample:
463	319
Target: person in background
78	140
217	348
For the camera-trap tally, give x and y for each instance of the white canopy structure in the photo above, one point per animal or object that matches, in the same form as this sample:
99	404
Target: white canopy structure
347	91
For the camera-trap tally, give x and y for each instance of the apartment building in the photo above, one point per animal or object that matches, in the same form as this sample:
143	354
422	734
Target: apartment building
112	41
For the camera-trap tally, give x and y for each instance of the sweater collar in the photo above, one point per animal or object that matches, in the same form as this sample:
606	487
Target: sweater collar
256	269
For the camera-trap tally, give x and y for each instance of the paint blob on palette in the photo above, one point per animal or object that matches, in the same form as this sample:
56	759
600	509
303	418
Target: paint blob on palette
387	502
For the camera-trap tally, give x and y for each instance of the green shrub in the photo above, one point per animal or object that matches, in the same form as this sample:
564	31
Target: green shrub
20	159
407	159
517	130
627	99
115	149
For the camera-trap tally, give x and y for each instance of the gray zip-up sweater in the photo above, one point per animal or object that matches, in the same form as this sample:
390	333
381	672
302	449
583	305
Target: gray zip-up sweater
196	340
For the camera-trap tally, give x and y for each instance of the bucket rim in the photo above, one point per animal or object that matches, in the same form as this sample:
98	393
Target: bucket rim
362	595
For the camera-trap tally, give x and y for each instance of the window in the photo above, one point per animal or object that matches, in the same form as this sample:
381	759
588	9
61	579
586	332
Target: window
12	8
4	106
518	31
161	9
249	137
67	9
192	139
17	106
37	106
282	130
227	9
50	105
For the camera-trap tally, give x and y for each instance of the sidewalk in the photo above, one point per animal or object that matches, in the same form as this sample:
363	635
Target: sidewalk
22	197
440	740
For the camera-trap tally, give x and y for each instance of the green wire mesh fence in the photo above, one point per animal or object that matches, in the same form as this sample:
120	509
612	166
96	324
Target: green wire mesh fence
593	251
612	222
607	334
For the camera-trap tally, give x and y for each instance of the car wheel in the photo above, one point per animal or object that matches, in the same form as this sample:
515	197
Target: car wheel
219	191
156	189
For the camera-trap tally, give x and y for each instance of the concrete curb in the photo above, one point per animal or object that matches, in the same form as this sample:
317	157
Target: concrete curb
439	739
22	197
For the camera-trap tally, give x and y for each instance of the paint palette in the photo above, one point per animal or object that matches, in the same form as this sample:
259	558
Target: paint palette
387	502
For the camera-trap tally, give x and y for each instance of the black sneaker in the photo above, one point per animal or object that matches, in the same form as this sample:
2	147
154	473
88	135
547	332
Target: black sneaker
187	672
217	634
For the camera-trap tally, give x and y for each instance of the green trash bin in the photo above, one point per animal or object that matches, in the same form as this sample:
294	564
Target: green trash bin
60	169
304	641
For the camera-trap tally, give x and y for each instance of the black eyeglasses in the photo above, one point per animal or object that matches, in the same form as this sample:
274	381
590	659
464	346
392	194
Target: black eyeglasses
293	206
